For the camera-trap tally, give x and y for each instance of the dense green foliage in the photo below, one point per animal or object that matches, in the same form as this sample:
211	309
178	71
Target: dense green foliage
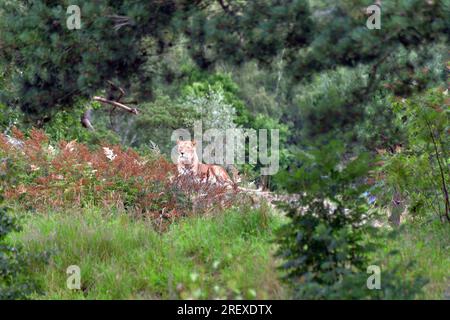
52	66
328	244
15	263
15	279
420	169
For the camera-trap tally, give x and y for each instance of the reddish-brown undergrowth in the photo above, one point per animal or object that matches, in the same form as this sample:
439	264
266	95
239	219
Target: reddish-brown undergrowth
71	174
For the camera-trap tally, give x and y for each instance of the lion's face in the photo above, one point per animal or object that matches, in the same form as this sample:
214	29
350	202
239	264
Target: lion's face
186	152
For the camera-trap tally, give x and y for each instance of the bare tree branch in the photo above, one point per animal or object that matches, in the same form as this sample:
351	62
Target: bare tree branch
116	104
116	88
121	21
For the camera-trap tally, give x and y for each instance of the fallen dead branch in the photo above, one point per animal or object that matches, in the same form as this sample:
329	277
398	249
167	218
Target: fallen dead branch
117	104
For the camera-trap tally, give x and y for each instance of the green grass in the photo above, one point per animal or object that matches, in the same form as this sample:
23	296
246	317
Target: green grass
226	256
428	245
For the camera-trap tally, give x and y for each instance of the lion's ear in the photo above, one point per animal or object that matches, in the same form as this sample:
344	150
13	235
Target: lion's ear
194	142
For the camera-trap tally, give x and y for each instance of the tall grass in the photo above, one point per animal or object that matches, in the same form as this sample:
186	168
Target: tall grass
225	256
428	245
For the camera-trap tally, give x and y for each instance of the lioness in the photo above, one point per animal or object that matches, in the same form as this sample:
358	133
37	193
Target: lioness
188	163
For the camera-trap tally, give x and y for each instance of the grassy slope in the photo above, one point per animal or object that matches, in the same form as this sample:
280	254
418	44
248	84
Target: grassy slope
227	256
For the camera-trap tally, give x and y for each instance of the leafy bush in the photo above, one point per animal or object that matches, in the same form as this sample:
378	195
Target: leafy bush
9	117
15	282
212	109
419	169
327	244
203	85
66	125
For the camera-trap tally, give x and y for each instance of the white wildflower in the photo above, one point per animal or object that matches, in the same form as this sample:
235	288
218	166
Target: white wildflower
216	264
154	147
51	150
193	276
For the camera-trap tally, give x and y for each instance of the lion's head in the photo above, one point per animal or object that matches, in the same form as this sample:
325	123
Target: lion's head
187	154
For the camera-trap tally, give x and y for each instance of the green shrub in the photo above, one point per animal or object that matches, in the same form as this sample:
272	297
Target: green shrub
327	245
419	170
15	282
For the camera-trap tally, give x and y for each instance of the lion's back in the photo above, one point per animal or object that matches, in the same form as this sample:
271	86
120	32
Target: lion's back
214	172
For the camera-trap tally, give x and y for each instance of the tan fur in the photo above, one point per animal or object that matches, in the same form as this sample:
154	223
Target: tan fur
188	163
